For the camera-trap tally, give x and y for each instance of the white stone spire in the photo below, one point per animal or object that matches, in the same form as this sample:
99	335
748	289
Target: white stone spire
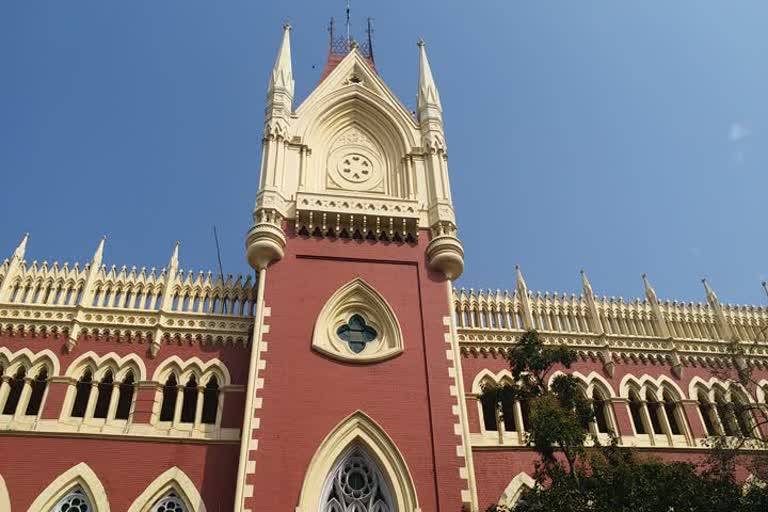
585	284
650	293
98	256
18	254
522	292
711	295
765	287
173	263
428	104
725	326
281	79
658	316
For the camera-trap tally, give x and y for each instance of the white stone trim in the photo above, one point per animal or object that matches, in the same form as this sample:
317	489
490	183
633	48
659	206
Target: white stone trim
174	479
358	297
33	361
5	500
99	364
359	429
515	489
80	475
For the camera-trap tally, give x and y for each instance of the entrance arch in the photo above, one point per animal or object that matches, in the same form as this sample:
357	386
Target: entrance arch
357	441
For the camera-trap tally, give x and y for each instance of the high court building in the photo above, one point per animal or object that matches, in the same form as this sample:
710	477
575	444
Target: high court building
347	376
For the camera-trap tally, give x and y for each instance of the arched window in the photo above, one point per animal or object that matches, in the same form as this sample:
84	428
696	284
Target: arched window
653	414
705	408
725	413
508	411
355	484
16	384
488	402
743	416
126	398
82	394
168	407
636	410
600	406
670	407
525	411
38	390
210	401
170	503
189	405
105	395
75	501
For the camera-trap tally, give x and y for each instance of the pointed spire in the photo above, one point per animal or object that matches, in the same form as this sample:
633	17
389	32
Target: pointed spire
22	248
282	73
711	295
525	300
650	293
173	264
765	287
99	254
521	286
428	100
586	285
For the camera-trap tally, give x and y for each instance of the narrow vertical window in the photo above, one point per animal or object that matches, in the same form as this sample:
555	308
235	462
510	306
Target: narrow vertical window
525	410
743	417
508	410
189	405
17	386
210	401
169	399
82	395
126	398
653	414
705	408
488	402
670	407
635	408
105	394
724	412
38	390
600	406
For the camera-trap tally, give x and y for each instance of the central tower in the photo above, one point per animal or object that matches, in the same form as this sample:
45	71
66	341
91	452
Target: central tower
354	359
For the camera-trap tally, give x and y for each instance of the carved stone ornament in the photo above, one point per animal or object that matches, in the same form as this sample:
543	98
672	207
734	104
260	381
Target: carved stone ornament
355	163
357	325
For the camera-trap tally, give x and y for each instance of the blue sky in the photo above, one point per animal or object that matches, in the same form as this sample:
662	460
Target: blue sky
618	137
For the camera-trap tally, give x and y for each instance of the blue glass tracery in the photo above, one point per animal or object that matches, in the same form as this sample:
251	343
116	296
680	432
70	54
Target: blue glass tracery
356	333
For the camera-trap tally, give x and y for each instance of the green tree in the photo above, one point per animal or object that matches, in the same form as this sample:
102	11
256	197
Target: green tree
574	477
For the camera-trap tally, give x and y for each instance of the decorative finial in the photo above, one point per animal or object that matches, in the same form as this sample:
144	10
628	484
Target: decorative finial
287	25
420	43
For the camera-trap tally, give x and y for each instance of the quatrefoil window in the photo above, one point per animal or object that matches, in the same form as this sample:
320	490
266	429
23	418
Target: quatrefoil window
356	333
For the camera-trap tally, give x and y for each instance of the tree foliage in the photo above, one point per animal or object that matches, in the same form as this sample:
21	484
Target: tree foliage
574	477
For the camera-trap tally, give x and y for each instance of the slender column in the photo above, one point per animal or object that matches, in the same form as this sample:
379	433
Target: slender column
199	407
5	388
646	419
666	426
21	406
179	404
92	397
113	399
519	424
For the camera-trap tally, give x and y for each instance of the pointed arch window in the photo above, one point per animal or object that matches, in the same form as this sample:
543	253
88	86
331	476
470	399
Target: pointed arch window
636	410
653	413
75	501
16	384
725	413
105	394
210	401
82	394
706	410
170	503
670	408
600	406
356	485
125	398
38	390
489	405
189	406
170	395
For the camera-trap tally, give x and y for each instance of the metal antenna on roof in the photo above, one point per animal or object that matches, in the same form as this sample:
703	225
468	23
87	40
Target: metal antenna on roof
349	38
221	268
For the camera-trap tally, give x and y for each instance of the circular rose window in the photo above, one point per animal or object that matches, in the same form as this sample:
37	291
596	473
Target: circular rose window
355	167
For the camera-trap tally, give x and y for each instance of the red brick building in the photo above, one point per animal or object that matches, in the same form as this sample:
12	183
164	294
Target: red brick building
347	376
